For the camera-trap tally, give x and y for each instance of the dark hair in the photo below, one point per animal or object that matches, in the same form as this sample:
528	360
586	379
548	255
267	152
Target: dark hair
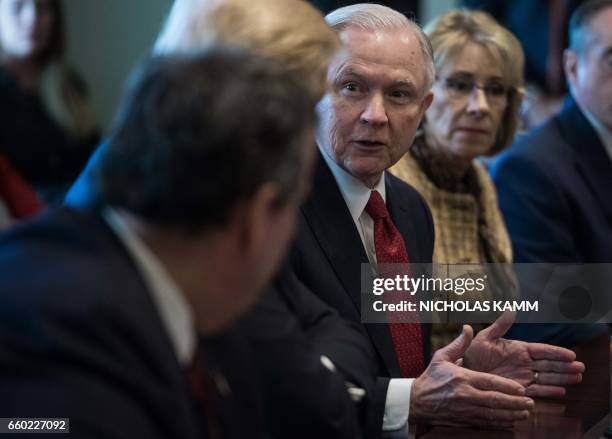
198	133
580	20
56	45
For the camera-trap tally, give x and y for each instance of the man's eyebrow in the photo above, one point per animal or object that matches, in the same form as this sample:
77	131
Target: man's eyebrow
349	72
410	85
403	83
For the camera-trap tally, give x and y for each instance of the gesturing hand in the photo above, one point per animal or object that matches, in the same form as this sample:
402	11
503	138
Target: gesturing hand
543	369
447	394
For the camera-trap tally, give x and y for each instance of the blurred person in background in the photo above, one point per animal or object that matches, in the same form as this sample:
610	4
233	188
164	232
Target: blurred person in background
103	327
475	112
541	27
554	182
47	129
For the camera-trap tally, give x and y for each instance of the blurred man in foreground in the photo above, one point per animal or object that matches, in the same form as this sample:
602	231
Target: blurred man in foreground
299	344
101	307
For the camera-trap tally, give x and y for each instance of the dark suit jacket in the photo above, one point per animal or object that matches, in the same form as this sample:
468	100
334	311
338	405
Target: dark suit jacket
554	192
328	254
80	337
289	330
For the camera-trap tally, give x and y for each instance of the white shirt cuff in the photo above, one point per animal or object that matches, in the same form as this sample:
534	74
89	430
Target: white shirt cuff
397	404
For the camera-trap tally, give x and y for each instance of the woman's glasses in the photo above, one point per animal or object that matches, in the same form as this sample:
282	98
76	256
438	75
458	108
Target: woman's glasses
461	88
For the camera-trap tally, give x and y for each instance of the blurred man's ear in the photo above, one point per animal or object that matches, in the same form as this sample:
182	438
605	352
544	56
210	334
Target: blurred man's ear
256	218
570	65
427	100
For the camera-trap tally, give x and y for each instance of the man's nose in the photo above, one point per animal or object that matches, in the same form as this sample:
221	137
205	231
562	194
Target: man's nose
375	112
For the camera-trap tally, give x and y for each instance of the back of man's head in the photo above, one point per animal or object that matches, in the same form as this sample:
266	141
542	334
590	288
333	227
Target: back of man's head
291	32
197	133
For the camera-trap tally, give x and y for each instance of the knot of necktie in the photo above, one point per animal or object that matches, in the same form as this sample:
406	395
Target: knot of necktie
376	206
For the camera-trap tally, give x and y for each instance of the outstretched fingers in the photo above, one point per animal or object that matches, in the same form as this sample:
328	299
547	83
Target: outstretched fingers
574	367
486	381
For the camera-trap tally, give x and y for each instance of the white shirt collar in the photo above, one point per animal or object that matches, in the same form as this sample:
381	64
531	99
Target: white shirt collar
174	310
355	193
604	134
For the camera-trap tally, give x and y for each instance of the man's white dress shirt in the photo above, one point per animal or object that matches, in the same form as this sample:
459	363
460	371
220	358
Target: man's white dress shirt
356	195
174	310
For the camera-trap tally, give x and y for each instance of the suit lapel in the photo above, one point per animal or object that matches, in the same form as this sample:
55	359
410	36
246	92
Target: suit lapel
592	160
401	219
332	225
330	220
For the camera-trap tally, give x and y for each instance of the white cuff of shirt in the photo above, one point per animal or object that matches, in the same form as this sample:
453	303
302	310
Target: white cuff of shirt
397	404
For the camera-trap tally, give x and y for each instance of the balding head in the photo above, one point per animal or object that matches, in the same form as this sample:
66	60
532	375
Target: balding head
292	32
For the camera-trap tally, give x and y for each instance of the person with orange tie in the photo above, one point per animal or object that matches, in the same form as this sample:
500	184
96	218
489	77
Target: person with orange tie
357	213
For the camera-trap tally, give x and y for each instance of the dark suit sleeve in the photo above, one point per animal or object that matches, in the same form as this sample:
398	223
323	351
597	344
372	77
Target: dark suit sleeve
95	410
539	221
62	368
535	211
289	331
80	337
342	341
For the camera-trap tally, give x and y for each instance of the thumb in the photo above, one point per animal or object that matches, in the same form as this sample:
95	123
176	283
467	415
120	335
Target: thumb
455	349
499	327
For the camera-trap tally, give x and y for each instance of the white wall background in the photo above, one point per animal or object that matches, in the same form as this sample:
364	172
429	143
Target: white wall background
107	37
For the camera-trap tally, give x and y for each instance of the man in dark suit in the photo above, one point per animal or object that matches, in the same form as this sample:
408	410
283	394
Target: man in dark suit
554	183
101	307
357	213
299	345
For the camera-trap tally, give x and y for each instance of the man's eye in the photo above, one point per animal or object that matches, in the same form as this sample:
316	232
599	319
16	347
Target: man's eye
352	89
400	96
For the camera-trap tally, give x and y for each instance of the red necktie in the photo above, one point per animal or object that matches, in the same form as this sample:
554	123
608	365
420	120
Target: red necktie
19	197
390	249
200	386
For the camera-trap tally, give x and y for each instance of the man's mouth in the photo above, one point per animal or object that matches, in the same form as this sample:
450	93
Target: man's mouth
369	143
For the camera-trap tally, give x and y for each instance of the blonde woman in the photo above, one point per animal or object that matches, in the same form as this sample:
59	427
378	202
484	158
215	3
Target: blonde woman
477	95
